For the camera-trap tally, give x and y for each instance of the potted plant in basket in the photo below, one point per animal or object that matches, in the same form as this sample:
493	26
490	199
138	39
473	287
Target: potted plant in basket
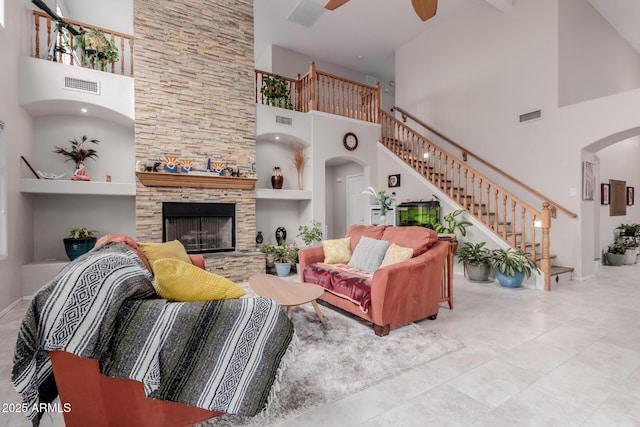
285	255
512	266
615	253
97	49
477	261
311	234
79	242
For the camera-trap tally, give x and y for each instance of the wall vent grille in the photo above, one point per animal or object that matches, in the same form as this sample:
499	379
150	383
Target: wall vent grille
533	115
370	80
80	85
284	121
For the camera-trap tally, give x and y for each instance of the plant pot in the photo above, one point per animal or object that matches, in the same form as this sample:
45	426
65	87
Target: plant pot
630	256
283	268
510	281
478	272
77	247
615	260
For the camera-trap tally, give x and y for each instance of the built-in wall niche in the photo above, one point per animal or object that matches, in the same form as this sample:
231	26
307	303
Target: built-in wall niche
618	197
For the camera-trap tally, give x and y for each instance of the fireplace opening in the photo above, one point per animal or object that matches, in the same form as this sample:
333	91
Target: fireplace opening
200	227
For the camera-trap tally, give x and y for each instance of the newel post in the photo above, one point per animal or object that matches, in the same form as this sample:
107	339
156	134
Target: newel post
545	264
313	104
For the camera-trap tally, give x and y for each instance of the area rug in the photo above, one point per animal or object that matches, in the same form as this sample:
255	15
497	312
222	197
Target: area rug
340	357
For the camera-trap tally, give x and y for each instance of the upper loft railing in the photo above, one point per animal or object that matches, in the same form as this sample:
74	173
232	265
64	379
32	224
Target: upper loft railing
320	91
42	21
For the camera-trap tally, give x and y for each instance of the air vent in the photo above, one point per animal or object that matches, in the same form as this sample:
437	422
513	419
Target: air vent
284	121
306	13
370	80
533	115
82	85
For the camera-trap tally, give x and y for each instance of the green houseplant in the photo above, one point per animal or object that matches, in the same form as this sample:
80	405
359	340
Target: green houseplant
310	234
276	92
285	255
79	242
79	151
97	50
615	253
512	266
477	261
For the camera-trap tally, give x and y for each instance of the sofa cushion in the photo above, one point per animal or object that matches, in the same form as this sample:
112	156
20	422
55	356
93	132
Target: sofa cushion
396	254
356	231
342	280
156	251
177	280
419	239
368	254
337	251
123	238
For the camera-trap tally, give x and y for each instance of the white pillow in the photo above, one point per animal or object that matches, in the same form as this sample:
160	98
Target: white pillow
368	254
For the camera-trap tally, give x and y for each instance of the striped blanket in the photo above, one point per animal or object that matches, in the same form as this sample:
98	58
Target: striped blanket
219	355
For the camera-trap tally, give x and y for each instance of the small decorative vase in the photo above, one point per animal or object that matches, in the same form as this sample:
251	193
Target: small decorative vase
281	235
383	219
283	269
299	186
259	238
277	179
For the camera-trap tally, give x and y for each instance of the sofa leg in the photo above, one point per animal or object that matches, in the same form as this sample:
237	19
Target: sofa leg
432	317
381	331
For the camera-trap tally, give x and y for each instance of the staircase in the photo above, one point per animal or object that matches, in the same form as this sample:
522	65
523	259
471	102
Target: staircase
517	223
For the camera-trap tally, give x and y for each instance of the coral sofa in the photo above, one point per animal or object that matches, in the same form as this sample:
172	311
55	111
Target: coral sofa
400	293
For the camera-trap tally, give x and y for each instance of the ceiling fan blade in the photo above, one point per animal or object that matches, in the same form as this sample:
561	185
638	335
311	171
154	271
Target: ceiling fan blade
425	8
334	4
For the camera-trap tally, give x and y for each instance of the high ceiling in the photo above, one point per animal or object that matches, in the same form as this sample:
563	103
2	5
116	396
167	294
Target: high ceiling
374	29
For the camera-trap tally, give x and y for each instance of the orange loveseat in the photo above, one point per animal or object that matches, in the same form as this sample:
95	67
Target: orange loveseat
400	293
100	401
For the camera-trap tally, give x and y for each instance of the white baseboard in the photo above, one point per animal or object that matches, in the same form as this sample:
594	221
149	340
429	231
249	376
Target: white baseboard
11	306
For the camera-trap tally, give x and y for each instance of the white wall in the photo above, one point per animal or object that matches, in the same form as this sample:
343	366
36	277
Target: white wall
470	79
14	43
101	13
594	60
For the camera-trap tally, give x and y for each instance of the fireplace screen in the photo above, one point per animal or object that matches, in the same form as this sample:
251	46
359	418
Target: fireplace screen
200	227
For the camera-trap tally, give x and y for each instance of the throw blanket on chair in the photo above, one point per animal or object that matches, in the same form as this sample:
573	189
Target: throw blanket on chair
219	355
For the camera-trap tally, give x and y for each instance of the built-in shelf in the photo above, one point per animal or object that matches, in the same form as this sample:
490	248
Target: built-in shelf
160	179
268	193
66	186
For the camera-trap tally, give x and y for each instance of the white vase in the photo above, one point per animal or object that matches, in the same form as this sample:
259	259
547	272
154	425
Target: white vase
383	219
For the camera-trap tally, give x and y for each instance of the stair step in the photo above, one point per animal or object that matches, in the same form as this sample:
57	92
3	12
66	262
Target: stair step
539	256
558	269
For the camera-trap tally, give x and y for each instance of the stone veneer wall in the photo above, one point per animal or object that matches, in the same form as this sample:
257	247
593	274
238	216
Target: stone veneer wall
195	99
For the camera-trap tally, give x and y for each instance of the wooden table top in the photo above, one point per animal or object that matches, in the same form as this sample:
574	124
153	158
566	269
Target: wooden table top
284	292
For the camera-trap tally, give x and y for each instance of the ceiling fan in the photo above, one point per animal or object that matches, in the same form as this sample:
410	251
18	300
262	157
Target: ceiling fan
425	9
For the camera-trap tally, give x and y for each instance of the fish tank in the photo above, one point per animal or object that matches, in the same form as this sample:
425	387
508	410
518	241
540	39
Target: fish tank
418	213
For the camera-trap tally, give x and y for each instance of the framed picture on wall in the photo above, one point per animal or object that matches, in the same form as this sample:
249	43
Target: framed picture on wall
394	180
604	194
630	195
588	181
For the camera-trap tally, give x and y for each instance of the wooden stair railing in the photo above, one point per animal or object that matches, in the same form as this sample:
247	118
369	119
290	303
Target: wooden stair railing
121	40
320	91
509	217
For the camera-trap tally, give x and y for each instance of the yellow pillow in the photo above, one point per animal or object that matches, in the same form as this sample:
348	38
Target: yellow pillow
156	251
395	254
176	280
337	251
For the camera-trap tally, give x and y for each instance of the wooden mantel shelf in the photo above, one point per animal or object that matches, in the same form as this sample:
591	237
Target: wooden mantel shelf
160	179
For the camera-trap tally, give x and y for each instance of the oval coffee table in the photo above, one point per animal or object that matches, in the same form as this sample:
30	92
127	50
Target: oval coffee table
287	293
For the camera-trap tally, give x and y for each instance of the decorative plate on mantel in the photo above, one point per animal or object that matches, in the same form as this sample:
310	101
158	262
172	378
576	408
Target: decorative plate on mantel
159	179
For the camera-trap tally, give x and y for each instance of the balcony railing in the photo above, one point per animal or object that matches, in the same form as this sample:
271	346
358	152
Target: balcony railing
320	91
42	23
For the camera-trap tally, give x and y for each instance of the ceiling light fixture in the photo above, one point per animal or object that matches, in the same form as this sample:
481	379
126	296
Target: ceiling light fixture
84	110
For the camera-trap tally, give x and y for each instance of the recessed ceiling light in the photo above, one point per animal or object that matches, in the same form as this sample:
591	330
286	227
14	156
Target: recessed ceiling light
361	57
277	138
84	110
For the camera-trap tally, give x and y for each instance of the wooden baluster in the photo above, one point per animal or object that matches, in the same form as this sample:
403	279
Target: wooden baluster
523	228
312	94
533	235
131	54
545	264
513	224
48	34
36	19
497	209
505	223
487	220
480	187
113	63
122	55
465	200
473	193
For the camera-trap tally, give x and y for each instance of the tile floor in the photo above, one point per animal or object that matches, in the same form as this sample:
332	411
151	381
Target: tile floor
569	357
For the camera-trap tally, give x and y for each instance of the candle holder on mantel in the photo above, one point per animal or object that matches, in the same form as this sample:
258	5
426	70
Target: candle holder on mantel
277	179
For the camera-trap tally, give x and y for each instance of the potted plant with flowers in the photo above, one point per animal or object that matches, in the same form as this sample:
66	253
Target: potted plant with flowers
285	255
383	199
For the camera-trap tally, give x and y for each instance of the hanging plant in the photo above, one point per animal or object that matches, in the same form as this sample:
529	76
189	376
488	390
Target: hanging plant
97	50
276	92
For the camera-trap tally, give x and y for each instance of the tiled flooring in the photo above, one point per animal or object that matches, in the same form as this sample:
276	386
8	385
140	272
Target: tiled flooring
569	357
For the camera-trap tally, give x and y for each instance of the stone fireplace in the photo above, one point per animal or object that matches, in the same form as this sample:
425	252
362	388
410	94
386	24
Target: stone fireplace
195	100
200	227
